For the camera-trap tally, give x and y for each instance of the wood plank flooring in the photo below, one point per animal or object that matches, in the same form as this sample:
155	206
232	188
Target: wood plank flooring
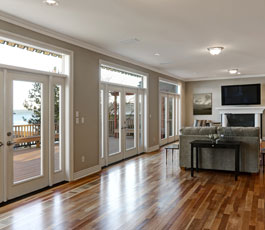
145	193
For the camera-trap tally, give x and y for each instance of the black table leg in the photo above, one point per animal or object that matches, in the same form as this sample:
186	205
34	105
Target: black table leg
263	160
236	162
197	159
191	161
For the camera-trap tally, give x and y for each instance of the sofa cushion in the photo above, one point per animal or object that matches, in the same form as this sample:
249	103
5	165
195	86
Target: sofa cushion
238	131
198	130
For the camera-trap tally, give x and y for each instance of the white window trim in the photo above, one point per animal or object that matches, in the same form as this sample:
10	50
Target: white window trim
69	93
102	85
176	132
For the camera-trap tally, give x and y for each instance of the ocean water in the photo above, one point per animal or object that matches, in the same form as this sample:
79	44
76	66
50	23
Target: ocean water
18	117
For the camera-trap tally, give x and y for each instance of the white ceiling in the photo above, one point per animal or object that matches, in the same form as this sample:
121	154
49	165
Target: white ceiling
180	30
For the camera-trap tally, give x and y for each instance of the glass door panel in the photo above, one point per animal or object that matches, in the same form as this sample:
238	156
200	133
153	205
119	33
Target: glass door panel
163	117
130	117
114	135
141	122
130	99
170	116
2	136
27	133
57	129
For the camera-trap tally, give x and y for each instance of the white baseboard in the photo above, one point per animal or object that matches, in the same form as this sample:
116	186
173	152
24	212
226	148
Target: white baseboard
153	148
86	172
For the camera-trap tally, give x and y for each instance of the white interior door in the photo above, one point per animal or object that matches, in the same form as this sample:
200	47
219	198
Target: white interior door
130	121
163	119
57	130
171	118
114	121
2	160
141	115
27	149
177	117
121	133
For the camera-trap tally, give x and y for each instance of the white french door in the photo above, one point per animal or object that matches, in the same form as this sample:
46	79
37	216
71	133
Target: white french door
122	123
2	146
32	131
169	118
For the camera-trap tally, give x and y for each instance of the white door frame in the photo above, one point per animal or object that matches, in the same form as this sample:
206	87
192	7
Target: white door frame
2	141
7	191
58	176
176	117
103	145
133	151
32	184
69	93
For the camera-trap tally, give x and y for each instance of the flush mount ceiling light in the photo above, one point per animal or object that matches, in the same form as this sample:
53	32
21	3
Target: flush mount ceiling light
51	2
233	71
157	54
215	50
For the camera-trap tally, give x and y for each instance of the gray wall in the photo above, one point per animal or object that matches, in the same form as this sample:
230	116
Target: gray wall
86	101
214	87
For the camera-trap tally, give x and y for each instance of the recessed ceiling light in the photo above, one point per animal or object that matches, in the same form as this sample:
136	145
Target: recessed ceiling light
215	50
51	2
233	71
157	54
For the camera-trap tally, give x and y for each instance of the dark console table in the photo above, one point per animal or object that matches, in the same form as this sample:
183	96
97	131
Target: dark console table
199	144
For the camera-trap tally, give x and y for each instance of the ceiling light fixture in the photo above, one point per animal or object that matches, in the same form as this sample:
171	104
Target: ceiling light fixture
157	54
215	50
233	71
51	2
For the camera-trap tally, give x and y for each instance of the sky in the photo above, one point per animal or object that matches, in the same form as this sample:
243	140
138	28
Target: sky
20	93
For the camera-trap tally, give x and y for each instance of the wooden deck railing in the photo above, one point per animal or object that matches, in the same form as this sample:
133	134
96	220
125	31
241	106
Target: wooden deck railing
30	134
113	130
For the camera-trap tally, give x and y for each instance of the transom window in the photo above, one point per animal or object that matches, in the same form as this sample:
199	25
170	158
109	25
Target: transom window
122	77
23	55
168	87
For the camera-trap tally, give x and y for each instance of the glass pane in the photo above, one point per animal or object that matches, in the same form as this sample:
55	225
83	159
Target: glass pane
177	116
163	117
24	55
140	120
170	116
114	122
57	129
27	152
112	75
168	87
102	123
130	117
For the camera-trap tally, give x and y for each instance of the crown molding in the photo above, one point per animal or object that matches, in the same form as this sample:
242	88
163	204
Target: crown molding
231	77
66	38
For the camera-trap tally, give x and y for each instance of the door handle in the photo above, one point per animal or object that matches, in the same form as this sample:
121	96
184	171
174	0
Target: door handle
1	144
10	143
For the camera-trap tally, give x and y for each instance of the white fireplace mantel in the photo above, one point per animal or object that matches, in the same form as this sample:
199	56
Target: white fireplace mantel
241	110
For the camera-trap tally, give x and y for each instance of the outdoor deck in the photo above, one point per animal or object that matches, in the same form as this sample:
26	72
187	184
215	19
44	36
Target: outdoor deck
27	162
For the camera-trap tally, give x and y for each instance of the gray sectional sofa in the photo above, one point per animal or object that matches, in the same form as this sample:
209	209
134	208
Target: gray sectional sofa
222	159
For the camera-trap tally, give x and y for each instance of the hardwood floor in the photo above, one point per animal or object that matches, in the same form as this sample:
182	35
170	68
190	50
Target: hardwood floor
145	193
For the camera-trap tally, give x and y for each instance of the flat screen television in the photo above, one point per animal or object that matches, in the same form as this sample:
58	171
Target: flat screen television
241	94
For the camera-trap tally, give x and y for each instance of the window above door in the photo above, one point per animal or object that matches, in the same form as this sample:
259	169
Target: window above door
114	74
19	54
